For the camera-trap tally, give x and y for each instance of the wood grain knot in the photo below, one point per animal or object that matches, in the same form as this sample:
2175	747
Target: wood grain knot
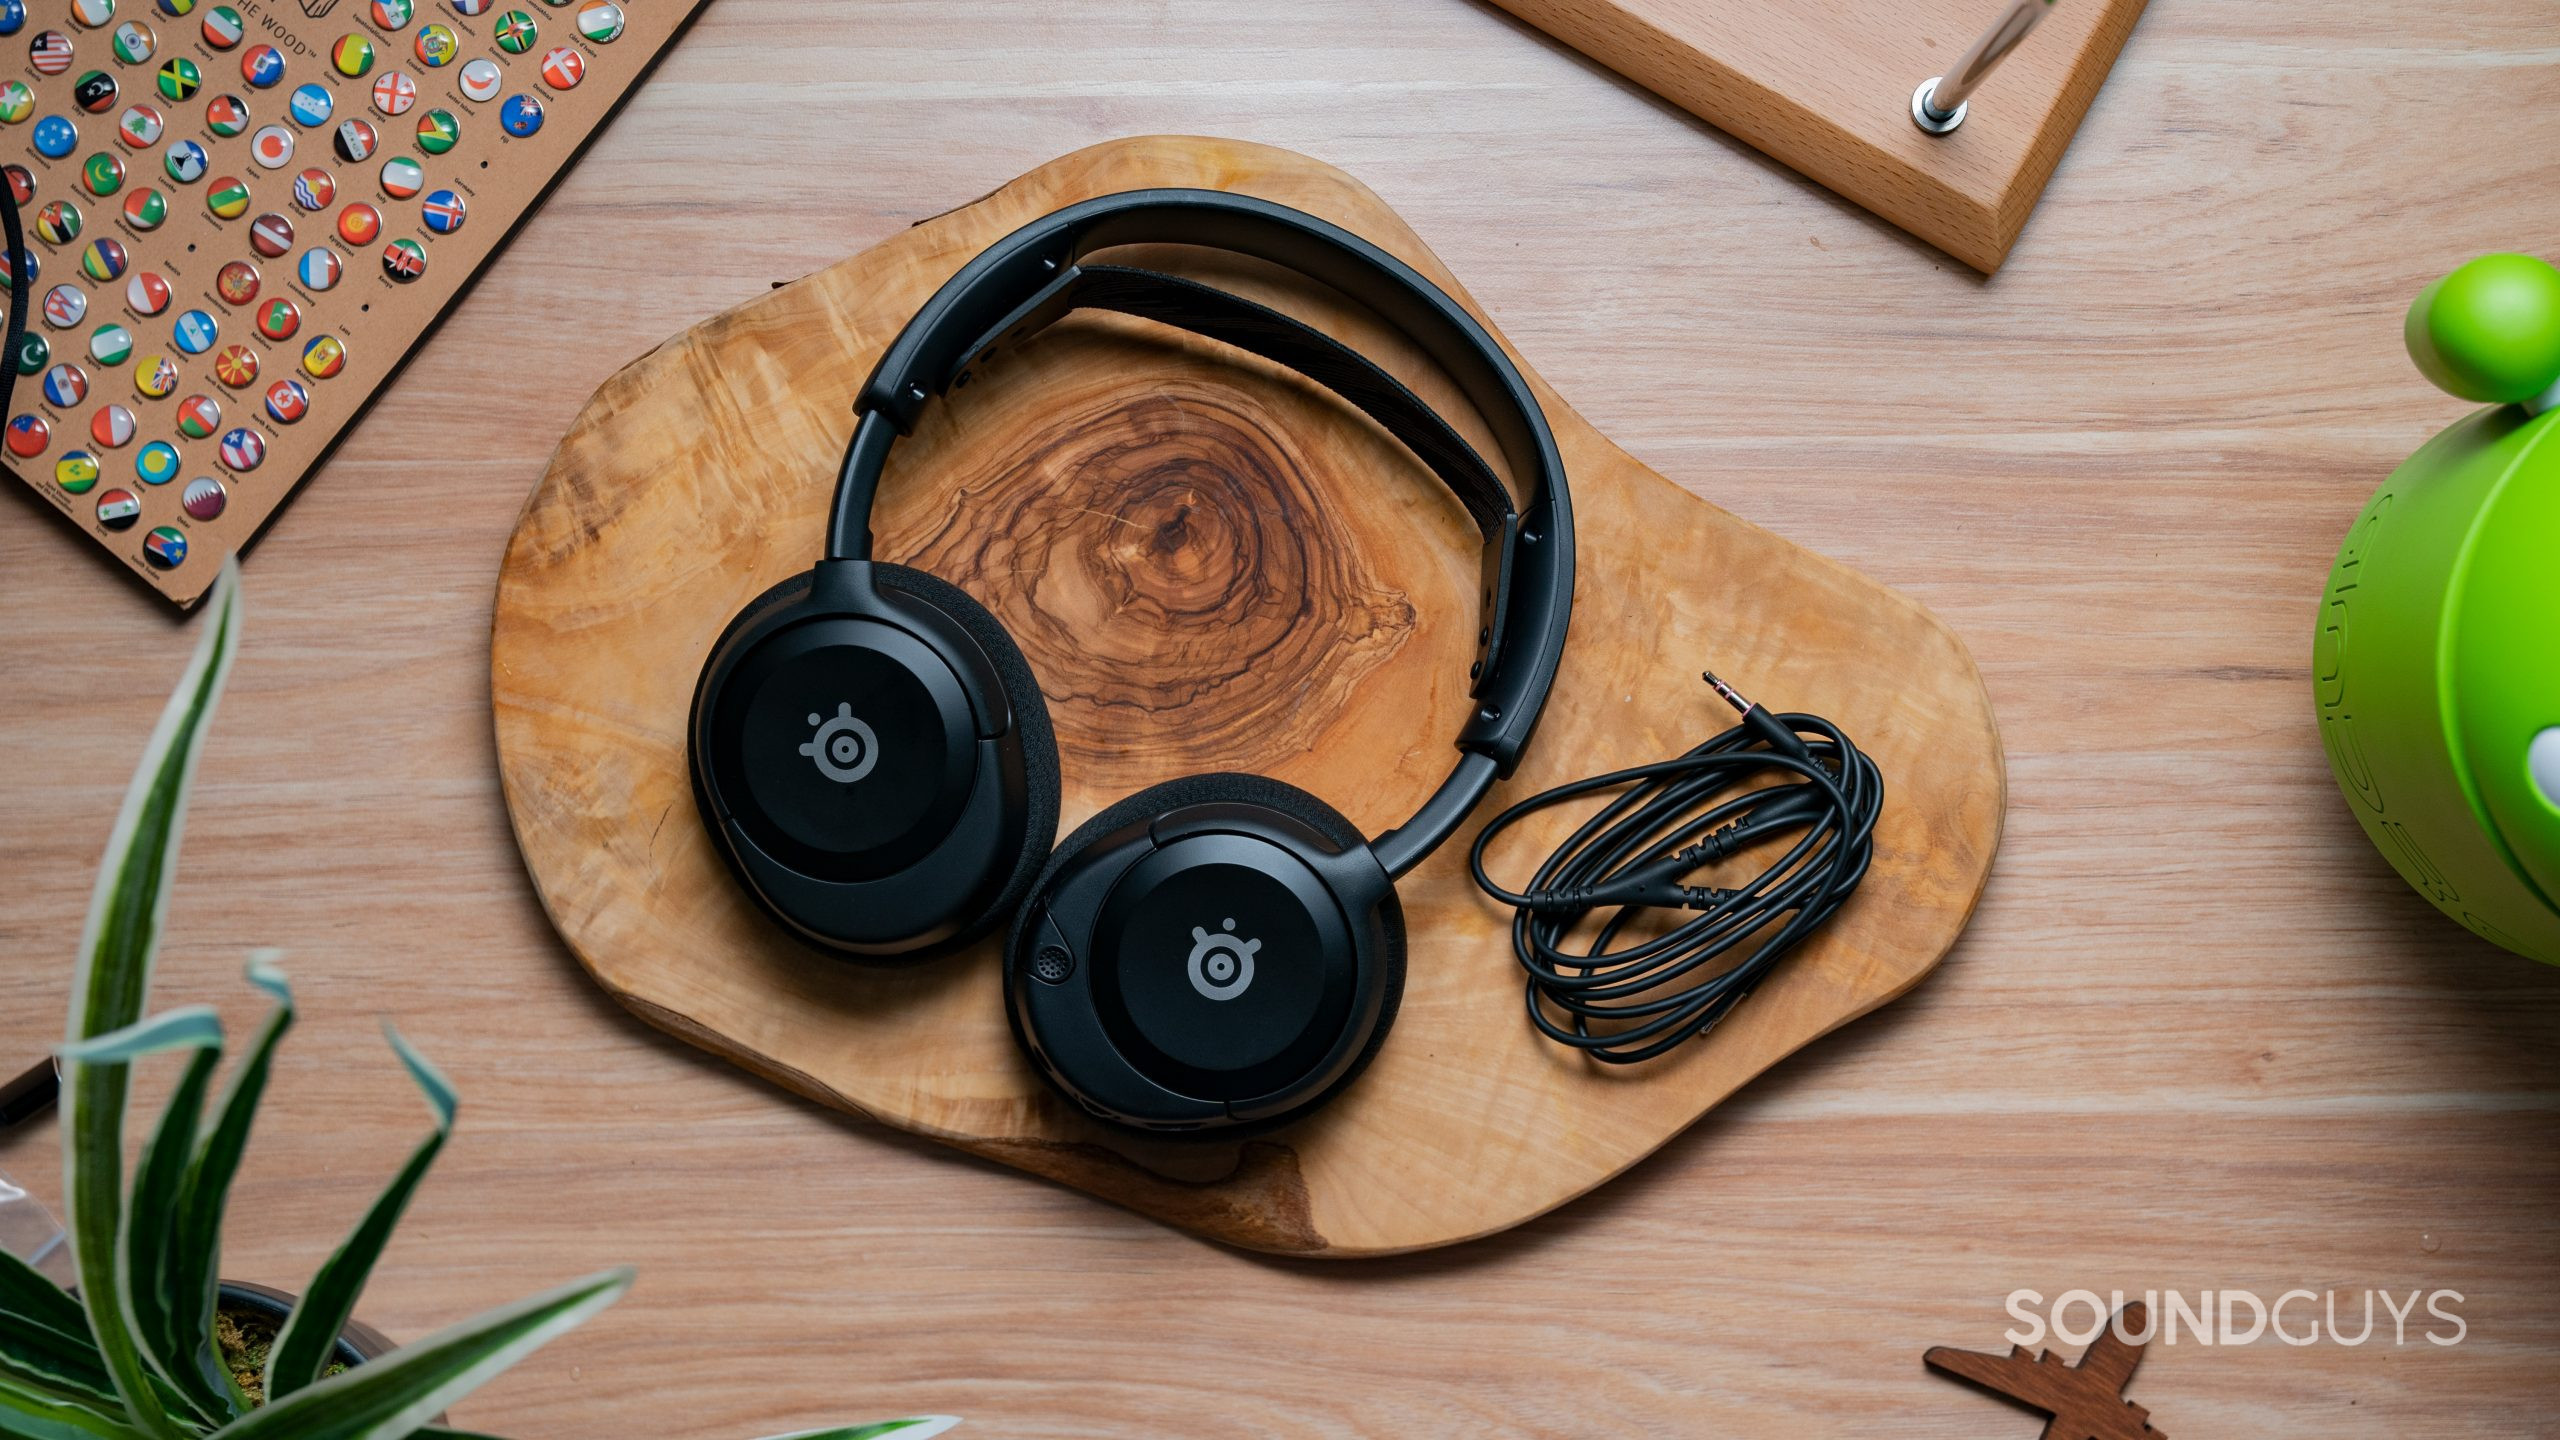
1168	557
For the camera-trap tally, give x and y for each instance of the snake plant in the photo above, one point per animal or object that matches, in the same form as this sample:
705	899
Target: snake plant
132	1356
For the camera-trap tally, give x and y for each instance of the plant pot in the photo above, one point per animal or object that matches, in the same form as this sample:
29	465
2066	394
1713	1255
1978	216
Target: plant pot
358	1343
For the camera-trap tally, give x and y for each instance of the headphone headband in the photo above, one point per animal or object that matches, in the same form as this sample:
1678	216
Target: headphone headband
1033	277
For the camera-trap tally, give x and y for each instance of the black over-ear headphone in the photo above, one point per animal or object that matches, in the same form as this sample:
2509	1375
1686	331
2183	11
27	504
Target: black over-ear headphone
873	757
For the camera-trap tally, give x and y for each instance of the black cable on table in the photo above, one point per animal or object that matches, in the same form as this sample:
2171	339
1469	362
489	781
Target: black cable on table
1633	859
20	282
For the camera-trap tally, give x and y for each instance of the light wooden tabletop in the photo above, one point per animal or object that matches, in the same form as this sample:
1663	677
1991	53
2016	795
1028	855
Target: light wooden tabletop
2199	1037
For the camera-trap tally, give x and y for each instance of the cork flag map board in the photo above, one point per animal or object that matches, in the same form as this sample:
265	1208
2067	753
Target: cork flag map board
243	217
1210	564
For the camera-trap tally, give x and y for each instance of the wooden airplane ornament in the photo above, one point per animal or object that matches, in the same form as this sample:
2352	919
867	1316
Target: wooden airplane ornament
2085	1400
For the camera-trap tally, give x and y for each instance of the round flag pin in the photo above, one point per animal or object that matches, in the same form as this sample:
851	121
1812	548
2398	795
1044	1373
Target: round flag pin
28	435
13	16
179	78
155	377
236	366
64	305
404	260
177	9
244	449
325	356
354	140
58	222
262	65
402	177
141	126
145	208
563	68
514	32
314	188
56	137
199	416
156	463
279	318
521	115
481	80
442	211
164	547
394	92
93	13
134	42
17	102
94	92
438	131
226	115
204	498
23	264
469	7
147	292
103	173
600	21
111	345
392	14
227	198
287	401
195	332
359	223
111	427
272	147
49	52
118	509
34	351
436	46
76	471
310	105
104	260
185	162
22	188
319	268
65	385
352	55
222	27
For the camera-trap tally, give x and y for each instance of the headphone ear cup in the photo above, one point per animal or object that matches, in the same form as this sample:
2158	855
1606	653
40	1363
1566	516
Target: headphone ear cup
1030	718
1223	787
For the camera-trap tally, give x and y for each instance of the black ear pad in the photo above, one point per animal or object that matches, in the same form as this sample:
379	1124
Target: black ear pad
1095	965
1030	716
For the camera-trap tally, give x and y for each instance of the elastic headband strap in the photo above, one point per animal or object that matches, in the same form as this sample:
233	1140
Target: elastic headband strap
1031	278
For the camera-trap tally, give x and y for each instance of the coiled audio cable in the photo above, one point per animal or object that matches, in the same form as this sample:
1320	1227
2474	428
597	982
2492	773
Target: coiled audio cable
1633	859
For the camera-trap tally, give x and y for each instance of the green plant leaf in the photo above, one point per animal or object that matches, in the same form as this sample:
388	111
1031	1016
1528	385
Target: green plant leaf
45	1336
29	1413
28	1296
302	1347
917	1428
117	947
192	1271
149	1222
391	1397
195	1027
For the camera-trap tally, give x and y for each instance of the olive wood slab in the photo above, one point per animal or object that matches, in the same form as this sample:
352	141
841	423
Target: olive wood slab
1210	565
